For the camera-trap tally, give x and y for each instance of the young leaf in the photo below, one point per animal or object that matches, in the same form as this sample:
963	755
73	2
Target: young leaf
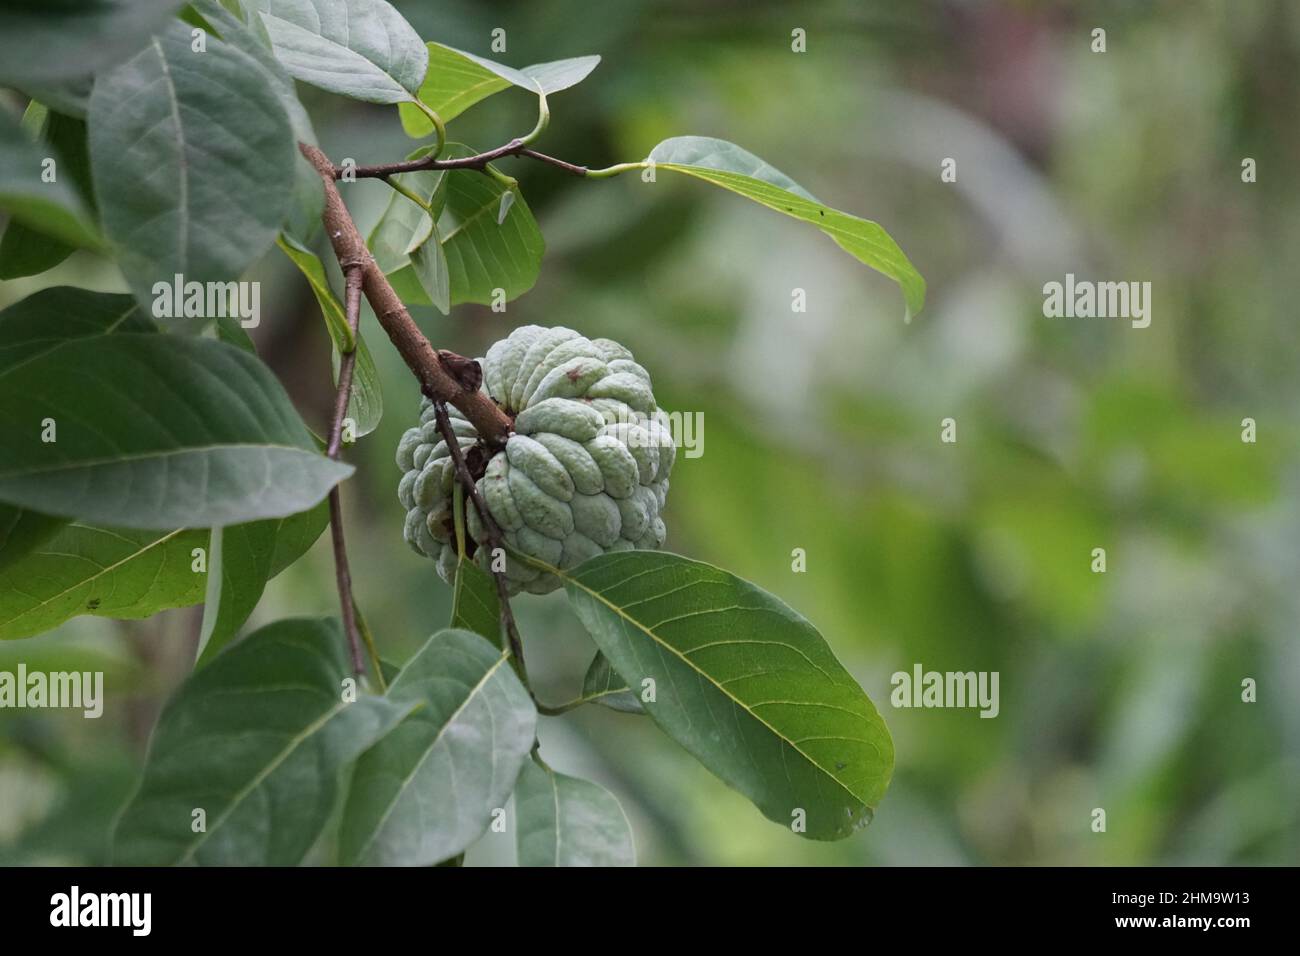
429	788
366	406
155	431
457	80
51	208
475	605
482	253
602	686
109	572
88	36
743	682
193	158
727	165
257	741
564	821
358	48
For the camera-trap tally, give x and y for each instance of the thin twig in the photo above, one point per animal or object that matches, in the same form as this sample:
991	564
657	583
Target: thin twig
493	534
479	161
347	362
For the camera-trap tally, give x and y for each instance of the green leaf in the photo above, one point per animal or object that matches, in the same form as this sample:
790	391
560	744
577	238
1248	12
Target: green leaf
482	253
42	41
109	572
156	431
475	604
22	531
727	165
44	320
358	48
366	406
257	740
564	821
457	80
26	251
429	788
405	239
601	685
51	208
308	198
742	682
241	559
193	158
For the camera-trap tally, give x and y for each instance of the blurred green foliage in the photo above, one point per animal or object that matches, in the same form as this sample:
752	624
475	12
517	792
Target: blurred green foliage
1119	690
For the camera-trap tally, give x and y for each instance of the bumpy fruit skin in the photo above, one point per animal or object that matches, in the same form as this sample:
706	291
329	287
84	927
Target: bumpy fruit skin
584	472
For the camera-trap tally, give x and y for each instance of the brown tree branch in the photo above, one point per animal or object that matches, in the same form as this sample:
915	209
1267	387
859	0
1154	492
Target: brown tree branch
493	534
347	363
436	379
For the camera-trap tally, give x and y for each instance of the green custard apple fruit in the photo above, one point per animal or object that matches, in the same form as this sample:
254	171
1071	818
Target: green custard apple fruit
584	471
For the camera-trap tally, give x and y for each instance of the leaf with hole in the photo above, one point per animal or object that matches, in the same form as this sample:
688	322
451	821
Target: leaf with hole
258	741
204	435
742	682
564	821
727	165
429	788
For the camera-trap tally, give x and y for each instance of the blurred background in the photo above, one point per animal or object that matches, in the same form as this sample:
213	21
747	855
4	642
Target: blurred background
1119	690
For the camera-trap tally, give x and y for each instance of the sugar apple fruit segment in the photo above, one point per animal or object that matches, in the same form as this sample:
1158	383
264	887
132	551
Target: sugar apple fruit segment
585	470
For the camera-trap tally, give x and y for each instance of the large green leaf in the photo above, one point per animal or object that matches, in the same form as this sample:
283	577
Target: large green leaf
193	157
429	788
727	165
47	41
35	325
110	572
742	682
564	821
457	80
156	431
475	604
27	251
54	208
308	198
257	740
366	405
358	48
482	253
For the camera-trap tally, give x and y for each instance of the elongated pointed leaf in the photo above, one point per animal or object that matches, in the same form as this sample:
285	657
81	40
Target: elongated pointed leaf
193	158
203	435
428	789
109	572
405	240
601	685
366	406
53	208
358	48
475	604
564	821
743	682
727	165
42	41
457	80
257	741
